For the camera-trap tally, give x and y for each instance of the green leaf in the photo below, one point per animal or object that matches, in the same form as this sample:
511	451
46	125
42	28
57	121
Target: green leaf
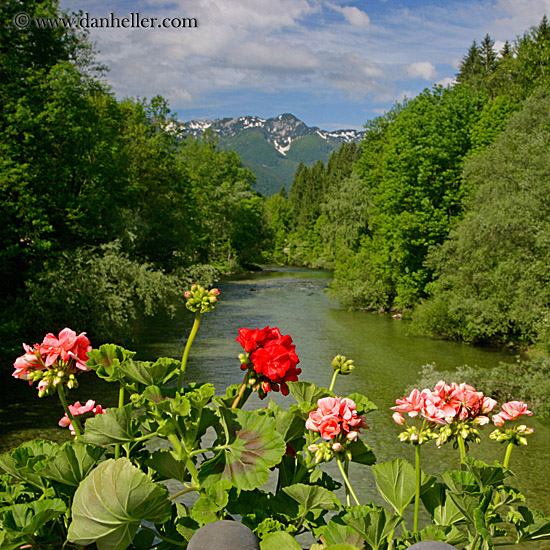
441	508
467	503
168	400
307	391
459	481
311	498
106	361
164	463
110	504
159	373
396	481
278	541
361	453
337	532
23	462
25	519
373	523
363	404
228	398
253	447
533	525
443	533
486	475
206	508
72	463
115	426
341	547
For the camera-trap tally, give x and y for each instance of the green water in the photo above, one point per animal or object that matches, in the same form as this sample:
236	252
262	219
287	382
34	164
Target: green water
387	359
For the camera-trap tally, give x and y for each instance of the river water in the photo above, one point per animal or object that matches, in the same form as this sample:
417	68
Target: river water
388	359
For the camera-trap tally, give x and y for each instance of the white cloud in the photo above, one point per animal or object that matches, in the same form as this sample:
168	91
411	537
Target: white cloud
447	81
421	69
351	14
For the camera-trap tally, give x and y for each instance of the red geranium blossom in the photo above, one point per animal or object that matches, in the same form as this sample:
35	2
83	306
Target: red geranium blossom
272	355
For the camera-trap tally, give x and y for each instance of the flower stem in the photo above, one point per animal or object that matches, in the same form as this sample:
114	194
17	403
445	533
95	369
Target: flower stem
333	381
417	490
346	469
74	422
461	448
346	481
188	347
120	405
508	454
242	389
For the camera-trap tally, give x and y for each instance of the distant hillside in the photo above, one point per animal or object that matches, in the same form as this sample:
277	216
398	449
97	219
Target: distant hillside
273	148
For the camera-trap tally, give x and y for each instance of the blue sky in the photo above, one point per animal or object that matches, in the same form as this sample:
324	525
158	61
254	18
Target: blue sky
333	63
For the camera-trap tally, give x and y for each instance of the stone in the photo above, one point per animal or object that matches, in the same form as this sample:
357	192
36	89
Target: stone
224	535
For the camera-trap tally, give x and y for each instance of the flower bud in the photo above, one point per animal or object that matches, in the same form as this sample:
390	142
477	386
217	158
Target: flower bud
318	456
313	448
336	447
352	436
200	300
342	365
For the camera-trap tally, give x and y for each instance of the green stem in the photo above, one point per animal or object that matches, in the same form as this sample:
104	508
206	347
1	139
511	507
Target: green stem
461	448
417	490
165	539
75	423
242	389
120	405
188	347
346	469
346	481
184	455
508	454
333	381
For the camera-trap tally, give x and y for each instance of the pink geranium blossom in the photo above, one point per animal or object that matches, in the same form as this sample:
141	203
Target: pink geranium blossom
412	404
66	346
27	363
511	411
334	416
87	410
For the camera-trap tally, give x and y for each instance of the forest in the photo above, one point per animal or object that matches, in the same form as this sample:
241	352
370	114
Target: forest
440	215
107	213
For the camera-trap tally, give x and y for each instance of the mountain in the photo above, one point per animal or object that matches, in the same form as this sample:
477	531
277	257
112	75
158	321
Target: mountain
274	147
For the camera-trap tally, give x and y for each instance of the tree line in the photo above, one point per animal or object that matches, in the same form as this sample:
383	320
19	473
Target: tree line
107	211
441	212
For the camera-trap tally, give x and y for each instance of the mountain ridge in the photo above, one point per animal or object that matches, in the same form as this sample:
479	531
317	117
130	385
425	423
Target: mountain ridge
274	147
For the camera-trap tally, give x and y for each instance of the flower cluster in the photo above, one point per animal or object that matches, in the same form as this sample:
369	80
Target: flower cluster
82	411
53	362
201	300
448	411
342	365
337	421
270	359
516	434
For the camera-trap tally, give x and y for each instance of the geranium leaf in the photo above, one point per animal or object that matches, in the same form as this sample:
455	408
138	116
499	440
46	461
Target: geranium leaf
231	392
115	426
361	453
373	523
311	498
441	508
106	361
167	466
278	541
485	474
363	404
162	371
110	504
23	461
337	532
72	463
533	525
25	519
396	482
254	446
307	391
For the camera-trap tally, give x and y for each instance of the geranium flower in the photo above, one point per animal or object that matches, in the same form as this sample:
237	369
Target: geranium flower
334	416
27	363
67	346
272	356
511	411
413	404
85	411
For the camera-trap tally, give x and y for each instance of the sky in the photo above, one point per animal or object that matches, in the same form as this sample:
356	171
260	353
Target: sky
334	64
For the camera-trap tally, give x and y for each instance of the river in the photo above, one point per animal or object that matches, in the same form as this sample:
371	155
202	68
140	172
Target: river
387	359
